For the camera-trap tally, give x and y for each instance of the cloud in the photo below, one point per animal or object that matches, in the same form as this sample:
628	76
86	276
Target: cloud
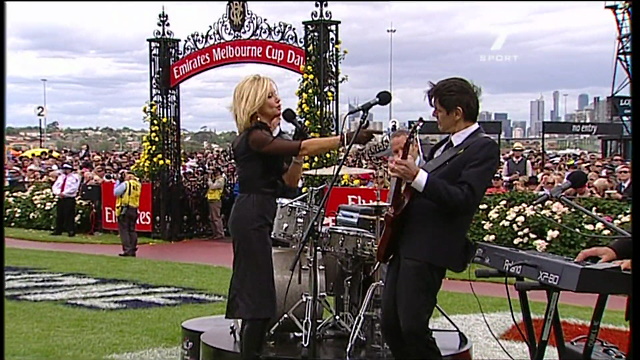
94	56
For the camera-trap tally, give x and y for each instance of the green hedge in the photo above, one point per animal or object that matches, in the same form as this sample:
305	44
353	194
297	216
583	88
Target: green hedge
509	220
504	219
36	209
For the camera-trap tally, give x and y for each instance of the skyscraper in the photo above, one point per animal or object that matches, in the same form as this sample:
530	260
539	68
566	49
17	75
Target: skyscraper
583	101
484	116
536	116
519	129
555	112
506	123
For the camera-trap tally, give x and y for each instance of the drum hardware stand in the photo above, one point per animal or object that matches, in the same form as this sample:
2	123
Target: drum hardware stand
234	328
356	332
357	326
314	225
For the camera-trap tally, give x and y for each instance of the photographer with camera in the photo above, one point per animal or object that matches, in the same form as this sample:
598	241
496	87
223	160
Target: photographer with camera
127	192
216	183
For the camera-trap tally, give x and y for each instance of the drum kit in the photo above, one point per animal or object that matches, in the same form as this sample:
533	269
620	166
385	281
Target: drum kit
348	283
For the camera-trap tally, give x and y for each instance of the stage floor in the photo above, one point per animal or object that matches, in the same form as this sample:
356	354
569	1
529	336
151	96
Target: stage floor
217	343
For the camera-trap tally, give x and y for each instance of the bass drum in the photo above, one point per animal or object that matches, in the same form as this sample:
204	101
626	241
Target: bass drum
299	284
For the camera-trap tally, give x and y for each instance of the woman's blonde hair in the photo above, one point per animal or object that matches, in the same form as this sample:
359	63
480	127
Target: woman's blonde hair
248	97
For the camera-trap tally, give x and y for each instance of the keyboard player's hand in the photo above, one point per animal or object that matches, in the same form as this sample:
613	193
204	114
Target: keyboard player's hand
624	264
605	254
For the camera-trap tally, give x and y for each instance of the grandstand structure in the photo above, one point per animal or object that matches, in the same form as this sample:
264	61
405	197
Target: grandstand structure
620	99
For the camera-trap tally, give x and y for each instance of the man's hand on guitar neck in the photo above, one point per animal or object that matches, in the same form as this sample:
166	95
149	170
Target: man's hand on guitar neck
406	170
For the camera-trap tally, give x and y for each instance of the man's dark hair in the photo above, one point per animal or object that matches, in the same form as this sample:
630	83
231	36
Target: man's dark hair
456	92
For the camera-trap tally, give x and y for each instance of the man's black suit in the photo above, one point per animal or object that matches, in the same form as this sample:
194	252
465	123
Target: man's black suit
627	193
431	238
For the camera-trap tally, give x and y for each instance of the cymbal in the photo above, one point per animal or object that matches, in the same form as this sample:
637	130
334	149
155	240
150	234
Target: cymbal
376	204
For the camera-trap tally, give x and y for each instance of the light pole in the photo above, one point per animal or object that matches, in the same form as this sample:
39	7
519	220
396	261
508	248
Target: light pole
44	93
390	31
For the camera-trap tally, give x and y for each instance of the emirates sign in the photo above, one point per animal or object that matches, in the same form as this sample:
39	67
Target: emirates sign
237	51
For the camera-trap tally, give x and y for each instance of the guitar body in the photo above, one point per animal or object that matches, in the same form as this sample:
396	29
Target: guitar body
399	200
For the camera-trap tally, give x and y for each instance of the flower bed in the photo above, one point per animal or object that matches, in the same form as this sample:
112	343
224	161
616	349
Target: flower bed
36	209
504	219
509	220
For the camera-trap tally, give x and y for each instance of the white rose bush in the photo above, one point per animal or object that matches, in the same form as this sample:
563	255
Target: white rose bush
510	220
36	209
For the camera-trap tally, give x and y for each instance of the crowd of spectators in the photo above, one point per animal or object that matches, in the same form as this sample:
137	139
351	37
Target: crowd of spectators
520	170
529	171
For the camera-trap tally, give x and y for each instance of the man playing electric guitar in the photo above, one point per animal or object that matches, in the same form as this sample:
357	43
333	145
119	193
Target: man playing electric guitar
430	233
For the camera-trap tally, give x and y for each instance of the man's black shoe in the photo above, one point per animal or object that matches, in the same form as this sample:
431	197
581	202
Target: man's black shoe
56	233
125	254
72	234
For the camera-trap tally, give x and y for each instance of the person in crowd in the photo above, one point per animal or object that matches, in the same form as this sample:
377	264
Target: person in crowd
15	180
381	181
497	185
516	166
546	170
531	183
616	160
520	185
624	189
602	187
65	188
85	153
127	192
91	191
547	184
216	183
259	159
431	232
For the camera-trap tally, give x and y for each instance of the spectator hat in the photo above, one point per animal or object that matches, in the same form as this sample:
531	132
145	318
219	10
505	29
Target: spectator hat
497	177
67	167
517	147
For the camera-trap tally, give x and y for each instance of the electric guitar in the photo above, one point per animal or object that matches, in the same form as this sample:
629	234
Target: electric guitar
399	199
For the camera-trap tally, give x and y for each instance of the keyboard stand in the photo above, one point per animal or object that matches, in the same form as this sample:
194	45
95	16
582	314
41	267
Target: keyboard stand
551	319
566	351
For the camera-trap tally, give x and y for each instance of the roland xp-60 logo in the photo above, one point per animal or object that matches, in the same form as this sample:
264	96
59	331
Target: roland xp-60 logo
497	55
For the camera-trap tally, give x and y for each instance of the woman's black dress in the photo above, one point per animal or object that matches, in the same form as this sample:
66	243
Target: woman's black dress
259	158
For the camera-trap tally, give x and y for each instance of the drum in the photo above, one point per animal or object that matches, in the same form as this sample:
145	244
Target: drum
292	218
351	242
299	284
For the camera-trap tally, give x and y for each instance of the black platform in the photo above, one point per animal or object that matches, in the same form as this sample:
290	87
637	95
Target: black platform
216	343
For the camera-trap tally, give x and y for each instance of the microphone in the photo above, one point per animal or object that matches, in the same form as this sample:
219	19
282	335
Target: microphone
383	98
290	116
575	180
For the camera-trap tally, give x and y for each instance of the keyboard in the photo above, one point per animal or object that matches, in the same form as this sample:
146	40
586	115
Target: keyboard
555	270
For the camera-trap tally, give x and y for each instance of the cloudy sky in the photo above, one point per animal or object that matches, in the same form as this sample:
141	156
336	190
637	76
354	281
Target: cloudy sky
94	56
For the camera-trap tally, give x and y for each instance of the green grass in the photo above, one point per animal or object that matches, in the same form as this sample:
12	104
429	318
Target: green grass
47	330
43	235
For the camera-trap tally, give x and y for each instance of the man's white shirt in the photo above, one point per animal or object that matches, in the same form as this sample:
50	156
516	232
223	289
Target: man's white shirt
70	187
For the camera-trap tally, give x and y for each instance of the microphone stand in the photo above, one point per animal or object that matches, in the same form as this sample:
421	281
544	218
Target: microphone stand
305	239
611	226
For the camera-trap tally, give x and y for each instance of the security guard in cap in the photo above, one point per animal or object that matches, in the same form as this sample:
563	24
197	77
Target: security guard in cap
127	192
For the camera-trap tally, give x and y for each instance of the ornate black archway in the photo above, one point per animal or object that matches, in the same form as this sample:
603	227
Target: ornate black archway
239	36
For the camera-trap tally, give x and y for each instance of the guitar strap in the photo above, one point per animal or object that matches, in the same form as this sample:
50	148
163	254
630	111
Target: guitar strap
452	152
